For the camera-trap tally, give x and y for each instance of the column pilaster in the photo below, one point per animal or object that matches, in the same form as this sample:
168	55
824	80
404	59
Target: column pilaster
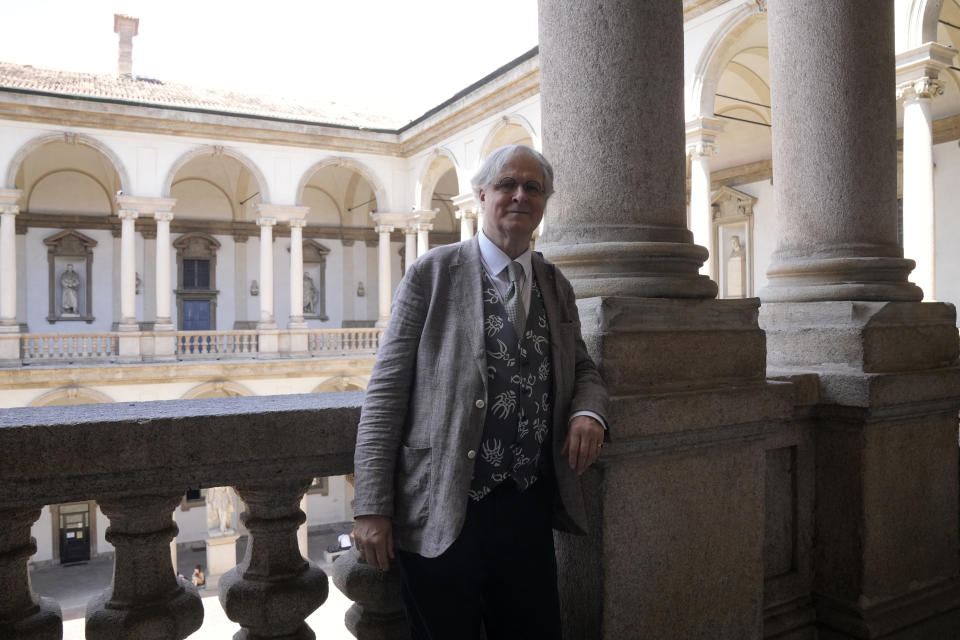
918	73
466	212
701	146
8	261
424	222
296	273
128	282
266	224
164	249
410	246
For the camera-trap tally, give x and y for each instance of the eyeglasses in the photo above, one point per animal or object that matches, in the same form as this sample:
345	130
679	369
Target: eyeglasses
532	188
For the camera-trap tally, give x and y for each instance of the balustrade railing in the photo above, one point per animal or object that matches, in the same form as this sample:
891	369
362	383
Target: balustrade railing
216	344
343	341
36	348
40	347
137	460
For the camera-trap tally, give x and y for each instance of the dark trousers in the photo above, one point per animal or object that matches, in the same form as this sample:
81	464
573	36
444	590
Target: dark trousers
500	571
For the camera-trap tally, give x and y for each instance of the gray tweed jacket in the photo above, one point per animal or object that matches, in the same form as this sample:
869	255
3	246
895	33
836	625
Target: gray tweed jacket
423	414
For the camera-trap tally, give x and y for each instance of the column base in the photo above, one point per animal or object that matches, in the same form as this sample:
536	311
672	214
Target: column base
382	322
641	269
823	279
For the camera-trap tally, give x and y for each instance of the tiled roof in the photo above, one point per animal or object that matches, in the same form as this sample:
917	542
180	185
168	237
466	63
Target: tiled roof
166	94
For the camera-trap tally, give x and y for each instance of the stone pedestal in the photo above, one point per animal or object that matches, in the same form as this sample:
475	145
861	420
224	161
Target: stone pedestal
221	554
886	451
9	346
677	503
269	341
128	343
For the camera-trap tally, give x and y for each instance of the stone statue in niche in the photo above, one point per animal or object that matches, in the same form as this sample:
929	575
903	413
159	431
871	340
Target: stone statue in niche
736	270
70	292
219	511
311	295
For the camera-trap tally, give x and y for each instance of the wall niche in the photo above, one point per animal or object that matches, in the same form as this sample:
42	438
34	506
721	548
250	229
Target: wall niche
70	279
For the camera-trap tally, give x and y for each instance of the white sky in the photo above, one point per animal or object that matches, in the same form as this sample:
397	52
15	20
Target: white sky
397	57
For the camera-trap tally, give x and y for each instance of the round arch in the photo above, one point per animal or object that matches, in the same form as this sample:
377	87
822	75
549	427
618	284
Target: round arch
70	138
71	395
720	49
341	383
919	25
217	389
111	202
507	120
430	173
365	172
214	150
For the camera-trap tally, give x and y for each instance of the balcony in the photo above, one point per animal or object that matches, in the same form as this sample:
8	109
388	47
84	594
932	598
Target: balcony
152	346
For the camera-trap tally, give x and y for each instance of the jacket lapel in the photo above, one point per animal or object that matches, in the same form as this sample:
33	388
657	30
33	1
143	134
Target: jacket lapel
467	295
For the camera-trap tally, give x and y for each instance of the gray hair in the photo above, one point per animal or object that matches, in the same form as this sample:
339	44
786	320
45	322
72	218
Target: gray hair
494	163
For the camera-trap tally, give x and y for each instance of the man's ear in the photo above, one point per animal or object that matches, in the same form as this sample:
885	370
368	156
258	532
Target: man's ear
483	195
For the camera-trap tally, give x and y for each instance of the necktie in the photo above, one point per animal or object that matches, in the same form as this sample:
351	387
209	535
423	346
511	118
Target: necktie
514	300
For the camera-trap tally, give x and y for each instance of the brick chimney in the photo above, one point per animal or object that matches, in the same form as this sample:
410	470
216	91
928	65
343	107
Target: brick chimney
126	26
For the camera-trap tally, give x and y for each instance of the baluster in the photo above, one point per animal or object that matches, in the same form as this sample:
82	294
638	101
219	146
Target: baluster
272	591
146	600
23	614
378	612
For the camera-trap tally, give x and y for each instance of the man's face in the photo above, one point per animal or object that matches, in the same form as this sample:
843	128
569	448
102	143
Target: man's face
513	205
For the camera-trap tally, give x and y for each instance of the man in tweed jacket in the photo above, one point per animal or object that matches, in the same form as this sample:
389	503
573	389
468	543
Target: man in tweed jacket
464	486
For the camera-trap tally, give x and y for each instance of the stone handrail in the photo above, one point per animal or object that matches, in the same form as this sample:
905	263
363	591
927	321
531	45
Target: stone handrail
216	344
40	347
137	460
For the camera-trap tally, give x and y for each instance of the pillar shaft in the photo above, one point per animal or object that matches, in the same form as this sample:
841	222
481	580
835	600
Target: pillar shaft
296	270
629	237
410	248
700	209
384	279
466	224
8	265
128	274
423	238
266	270
834	153
163	219
919	231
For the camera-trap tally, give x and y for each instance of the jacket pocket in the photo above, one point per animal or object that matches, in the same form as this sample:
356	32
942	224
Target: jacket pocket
412	503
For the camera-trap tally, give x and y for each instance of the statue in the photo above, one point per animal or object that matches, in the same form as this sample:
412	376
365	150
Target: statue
311	296
70	292
219	511
736	280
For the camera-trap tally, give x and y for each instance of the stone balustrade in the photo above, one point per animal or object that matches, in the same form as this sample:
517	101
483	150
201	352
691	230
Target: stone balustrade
137	460
44	348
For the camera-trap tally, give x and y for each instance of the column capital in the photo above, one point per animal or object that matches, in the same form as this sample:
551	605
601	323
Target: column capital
466	205
926	60
423	226
128	214
390	219
144	205
923	88
282	212
163	216
701	135
9	199
410	228
299	223
266	221
384	228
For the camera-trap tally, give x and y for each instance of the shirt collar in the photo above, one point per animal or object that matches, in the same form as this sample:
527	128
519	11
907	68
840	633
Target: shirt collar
495	260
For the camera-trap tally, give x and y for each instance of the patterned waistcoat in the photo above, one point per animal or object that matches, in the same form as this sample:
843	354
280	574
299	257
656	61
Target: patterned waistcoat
519	394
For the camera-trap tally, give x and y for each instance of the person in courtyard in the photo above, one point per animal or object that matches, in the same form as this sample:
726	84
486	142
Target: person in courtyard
482	411
198	579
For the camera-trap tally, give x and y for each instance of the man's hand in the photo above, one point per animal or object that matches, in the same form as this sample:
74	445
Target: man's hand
583	443
373	536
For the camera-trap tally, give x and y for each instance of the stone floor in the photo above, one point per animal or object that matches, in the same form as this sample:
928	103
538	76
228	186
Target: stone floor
73	585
